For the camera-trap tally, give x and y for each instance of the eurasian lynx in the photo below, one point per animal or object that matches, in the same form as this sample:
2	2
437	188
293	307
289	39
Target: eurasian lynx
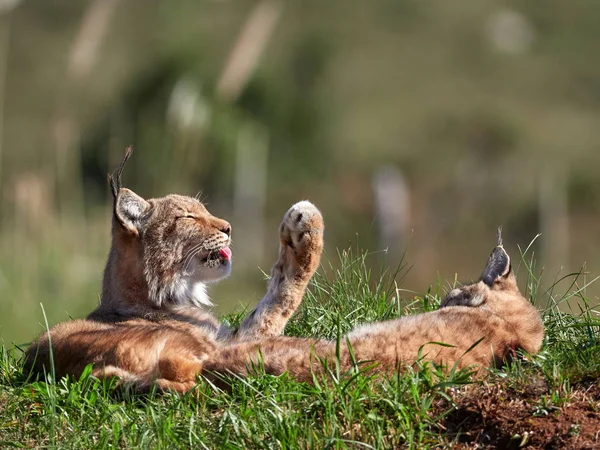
150	327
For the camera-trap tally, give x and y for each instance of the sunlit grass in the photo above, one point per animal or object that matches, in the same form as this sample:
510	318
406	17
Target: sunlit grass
340	410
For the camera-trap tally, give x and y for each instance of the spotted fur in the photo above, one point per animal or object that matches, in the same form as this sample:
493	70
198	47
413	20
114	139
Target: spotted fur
478	325
151	327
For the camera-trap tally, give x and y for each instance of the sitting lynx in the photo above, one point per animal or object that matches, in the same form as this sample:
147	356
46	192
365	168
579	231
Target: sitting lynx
150	328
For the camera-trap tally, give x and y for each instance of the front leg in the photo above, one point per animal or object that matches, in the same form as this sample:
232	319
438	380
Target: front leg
301	245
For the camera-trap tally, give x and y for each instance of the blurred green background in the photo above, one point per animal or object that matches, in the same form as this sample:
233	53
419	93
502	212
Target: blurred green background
418	125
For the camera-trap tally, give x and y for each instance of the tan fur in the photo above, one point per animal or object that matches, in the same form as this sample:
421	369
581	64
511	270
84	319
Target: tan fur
503	322
150	327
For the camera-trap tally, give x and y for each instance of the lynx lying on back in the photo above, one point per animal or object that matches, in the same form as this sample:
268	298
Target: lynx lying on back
150	328
491	313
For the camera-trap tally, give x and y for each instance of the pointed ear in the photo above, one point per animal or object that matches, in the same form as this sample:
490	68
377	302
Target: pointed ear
498	266
130	210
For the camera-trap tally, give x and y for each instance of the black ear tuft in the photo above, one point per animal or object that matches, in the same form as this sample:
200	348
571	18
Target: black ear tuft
498	266
114	179
129	208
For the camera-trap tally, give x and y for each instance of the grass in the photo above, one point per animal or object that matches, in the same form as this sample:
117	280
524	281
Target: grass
420	408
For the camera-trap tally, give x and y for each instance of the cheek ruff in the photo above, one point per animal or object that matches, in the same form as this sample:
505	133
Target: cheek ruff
201	264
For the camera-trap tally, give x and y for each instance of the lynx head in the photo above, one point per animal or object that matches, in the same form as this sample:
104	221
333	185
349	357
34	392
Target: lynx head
496	284
497	292
164	250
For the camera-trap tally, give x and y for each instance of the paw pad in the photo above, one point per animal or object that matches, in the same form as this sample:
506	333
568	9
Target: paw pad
301	220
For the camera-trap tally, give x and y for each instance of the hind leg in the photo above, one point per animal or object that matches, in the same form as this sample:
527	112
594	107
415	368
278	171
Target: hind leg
301	245
126	378
177	386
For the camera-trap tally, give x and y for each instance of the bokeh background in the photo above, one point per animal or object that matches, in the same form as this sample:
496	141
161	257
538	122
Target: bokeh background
415	126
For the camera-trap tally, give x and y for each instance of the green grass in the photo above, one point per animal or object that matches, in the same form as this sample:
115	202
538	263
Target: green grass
415	409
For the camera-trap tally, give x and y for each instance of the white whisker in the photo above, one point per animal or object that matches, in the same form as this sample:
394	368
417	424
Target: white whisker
190	254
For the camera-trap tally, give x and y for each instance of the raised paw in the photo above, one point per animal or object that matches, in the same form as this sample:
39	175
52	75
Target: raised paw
302	229
301	236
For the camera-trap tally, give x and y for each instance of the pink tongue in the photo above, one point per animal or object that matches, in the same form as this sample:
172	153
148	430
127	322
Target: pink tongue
225	252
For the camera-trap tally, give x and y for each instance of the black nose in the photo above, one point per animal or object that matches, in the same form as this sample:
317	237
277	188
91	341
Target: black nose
226	229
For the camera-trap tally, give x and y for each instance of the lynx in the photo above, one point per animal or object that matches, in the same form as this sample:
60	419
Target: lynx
478	325
150	328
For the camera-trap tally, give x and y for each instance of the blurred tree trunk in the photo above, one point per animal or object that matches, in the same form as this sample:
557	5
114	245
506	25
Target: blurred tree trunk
251	191
392	203
251	167
5	19
83	56
248	49
554	220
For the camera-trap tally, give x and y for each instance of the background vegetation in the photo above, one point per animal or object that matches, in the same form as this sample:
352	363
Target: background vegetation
487	111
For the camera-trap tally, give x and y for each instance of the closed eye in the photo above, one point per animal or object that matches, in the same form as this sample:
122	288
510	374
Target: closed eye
187	216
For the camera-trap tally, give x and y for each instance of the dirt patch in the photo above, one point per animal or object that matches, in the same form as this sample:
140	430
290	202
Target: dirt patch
533	417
